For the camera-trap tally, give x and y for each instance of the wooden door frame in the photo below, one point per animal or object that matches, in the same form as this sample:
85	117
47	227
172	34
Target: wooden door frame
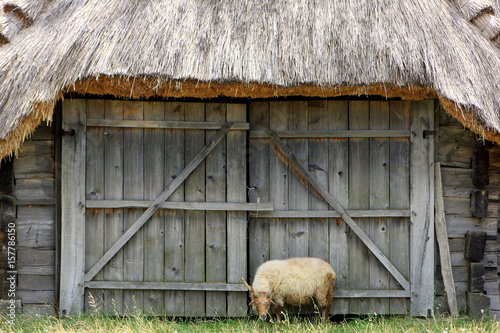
72	284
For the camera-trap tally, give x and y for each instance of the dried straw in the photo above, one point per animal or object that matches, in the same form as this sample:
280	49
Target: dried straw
412	49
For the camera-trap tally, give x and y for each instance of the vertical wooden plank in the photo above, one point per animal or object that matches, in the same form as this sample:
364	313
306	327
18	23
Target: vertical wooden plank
298	193
338	179
399	199
133	189
258	168
73	208
113	190
195	220
422	207
359	198
174	219
94	227
318	165
444	247
216	245
153	233
379	199
278	181
236	221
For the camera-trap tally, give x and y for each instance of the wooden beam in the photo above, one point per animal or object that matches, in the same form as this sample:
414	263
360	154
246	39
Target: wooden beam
300	214
231	206
158	202
422	206
194	286
334	134
71	297
215	125
231	287
444	247
343	213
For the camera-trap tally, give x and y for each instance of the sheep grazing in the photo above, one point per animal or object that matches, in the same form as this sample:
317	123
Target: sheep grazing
294	281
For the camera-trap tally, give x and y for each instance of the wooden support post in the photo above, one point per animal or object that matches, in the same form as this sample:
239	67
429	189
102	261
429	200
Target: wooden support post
73	166
444	248
422	206
475	243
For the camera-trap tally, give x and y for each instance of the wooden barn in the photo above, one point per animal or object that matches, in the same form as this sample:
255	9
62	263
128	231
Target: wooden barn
156	152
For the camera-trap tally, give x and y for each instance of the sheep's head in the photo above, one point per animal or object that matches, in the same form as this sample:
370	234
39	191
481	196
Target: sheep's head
261	301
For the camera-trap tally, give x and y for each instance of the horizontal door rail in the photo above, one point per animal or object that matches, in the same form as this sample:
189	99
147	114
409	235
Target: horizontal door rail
201	286
164	124
335	134
211	206
299	214
233	287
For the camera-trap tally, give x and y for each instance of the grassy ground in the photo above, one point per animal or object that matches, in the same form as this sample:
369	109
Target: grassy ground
144	324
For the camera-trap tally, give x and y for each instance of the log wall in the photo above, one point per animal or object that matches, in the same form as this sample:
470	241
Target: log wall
456	147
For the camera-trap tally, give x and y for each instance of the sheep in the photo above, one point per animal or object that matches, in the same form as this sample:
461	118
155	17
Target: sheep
294	281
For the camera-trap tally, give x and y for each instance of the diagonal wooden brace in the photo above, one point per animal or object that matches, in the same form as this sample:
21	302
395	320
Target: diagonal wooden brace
113	250
336	205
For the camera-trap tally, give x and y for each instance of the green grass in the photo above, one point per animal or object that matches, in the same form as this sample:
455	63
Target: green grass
97	323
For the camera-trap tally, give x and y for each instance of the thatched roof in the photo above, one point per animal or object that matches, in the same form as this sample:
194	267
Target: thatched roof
204	48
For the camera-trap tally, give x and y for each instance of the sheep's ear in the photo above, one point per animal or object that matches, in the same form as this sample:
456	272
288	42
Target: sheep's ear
249	287
277	286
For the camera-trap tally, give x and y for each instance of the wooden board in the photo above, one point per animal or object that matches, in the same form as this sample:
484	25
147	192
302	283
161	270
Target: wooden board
195	226
422	205
154	238
258	169
113	189
359	198
297	189
133	189
379	229
338	181
216	246
279	112
318	164
94	190
71	297
236	172
174	219
399	198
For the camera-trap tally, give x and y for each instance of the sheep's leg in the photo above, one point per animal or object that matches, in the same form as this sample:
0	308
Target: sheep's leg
329	301
278	313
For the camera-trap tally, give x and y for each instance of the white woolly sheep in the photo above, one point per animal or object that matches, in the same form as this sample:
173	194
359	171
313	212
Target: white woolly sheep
294	281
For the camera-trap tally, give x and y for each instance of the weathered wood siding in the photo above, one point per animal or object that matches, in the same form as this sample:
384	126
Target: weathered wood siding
200	250
34	189
455	152
369	172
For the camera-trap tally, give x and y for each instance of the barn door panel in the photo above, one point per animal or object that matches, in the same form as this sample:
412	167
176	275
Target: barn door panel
182	257
366	276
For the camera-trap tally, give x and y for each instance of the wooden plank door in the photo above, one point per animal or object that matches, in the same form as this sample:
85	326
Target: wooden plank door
371	159
188	256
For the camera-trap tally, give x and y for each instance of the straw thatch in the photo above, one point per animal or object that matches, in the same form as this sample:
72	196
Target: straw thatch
261	48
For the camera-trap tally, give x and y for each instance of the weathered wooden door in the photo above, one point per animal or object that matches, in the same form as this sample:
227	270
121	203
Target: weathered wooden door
372	158
123	246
